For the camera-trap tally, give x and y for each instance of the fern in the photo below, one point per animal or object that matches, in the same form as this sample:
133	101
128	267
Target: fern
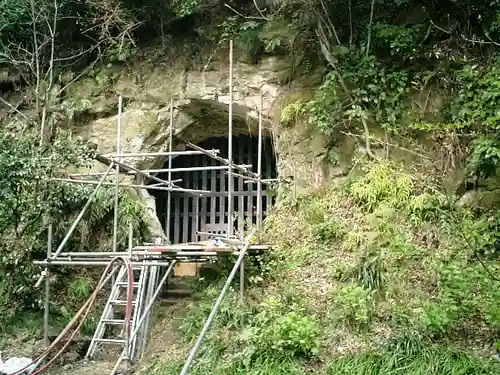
382	183
80	288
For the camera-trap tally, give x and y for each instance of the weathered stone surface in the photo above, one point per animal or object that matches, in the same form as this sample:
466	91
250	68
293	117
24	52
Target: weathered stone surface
480	198
201	111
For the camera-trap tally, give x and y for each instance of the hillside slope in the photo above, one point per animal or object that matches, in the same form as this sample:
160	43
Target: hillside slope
377	275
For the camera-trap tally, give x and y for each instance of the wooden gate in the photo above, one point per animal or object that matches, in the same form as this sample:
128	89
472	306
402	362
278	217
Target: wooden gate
209	213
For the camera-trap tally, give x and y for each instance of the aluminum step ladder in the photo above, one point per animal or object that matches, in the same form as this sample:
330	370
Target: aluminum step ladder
111	309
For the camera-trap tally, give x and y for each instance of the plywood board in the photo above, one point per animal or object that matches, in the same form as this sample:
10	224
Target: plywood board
186	269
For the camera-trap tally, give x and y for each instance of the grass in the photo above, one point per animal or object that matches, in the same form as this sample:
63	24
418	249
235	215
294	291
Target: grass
413	357
353	269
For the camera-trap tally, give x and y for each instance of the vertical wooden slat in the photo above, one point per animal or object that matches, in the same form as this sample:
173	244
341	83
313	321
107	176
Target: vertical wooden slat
196	204
241	189
213	201
267	155
176	209
249	197
222	201
203	218
186	198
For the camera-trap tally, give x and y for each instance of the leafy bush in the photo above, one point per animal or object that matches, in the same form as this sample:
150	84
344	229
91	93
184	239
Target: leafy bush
283	331
231	314
353	305
382	183
328	231
30	198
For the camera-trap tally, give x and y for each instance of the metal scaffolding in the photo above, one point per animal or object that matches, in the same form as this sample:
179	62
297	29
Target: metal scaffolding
158	256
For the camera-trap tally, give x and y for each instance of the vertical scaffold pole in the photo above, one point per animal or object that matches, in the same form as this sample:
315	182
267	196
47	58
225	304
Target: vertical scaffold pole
259	168
130	239
230	145
117	175
230	167
169	194
47	288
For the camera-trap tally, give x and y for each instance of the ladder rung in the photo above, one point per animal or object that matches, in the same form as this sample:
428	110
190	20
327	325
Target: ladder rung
113	321
110	341
121	302
125	283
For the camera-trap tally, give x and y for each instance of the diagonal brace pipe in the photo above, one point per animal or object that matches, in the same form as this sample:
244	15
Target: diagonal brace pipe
215	308
75	223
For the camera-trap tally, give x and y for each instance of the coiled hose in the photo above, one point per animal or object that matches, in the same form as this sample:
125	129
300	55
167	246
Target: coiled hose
83	313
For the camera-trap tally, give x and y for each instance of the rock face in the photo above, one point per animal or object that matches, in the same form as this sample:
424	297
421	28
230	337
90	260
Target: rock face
200	102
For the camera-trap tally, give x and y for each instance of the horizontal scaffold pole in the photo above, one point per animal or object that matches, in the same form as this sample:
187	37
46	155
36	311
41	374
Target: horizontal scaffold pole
135	186
242	169
163	170
128	168
166	153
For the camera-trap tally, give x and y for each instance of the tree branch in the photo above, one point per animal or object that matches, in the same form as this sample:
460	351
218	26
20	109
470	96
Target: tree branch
369	37
333	62
242	15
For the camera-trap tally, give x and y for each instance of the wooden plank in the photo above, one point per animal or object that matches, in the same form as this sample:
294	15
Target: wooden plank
249	198
213	187
241	198
186	199
222	201
186	270
204	200
176	216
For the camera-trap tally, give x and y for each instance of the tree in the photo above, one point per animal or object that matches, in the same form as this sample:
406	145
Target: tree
43	39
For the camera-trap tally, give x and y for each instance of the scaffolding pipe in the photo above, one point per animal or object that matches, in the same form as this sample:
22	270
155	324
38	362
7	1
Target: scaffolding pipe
150	154
242	169
145	174
263	181
76	222
153	276
97	263
117	175
169	194
160	170
162	183
47	289
216	306
151	256
130	239
149	187
230	146
259	167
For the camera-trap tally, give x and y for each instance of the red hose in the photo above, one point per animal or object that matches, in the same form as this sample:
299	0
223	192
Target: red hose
84	311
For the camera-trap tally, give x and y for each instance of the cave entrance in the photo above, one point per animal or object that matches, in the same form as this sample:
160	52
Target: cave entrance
190	214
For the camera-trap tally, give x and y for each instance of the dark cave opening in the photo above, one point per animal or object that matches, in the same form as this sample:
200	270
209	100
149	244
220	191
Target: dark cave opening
190	214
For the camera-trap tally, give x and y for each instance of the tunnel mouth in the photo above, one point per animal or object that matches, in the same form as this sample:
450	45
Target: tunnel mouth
209	213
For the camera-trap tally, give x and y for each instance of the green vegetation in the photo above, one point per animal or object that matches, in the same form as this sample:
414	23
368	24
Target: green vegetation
384	268
30	199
